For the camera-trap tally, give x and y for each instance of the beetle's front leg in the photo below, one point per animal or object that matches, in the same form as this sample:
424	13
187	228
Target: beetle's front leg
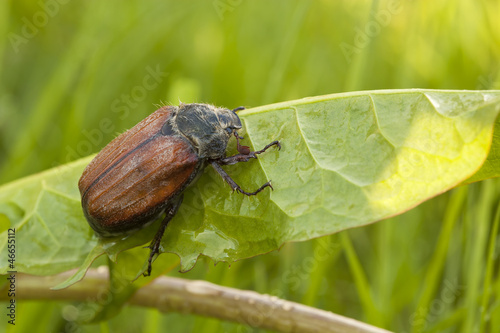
244	153
154	246
233	184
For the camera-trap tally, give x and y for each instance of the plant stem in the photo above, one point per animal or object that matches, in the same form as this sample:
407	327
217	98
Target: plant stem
170	294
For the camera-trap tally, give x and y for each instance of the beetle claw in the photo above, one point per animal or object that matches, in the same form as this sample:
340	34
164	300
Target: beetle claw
275	143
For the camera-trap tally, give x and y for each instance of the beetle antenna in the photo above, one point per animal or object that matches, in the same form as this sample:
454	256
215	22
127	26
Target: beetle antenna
239	108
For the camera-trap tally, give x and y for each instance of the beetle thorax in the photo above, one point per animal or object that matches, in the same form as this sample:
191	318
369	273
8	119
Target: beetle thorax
207	127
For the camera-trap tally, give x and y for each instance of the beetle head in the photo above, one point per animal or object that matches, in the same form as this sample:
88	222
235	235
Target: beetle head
228	120
209	128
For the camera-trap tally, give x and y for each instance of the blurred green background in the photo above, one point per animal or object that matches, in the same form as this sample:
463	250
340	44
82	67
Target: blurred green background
75	73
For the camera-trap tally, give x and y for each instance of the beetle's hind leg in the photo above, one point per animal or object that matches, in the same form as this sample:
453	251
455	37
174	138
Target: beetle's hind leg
155	243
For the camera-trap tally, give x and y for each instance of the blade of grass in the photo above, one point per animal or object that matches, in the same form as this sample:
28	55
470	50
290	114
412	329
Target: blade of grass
383	279
480	217
152	322
450	321
495	306
363	287
52	92
436	266
282	59
4	25
488	276
326	245
357	68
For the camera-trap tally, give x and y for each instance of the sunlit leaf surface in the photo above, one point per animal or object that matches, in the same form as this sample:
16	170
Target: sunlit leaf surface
346	160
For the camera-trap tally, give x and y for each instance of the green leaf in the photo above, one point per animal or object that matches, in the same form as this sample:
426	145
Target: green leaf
346	160
45	211
491	167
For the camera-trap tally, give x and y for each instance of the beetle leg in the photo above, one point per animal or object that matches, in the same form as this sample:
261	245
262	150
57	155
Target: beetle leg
237	137
245	154
155	243
233	184
244	150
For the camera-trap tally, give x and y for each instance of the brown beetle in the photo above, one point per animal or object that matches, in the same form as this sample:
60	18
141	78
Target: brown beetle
142	173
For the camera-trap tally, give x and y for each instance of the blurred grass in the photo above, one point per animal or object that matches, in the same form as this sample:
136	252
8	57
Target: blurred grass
63	84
